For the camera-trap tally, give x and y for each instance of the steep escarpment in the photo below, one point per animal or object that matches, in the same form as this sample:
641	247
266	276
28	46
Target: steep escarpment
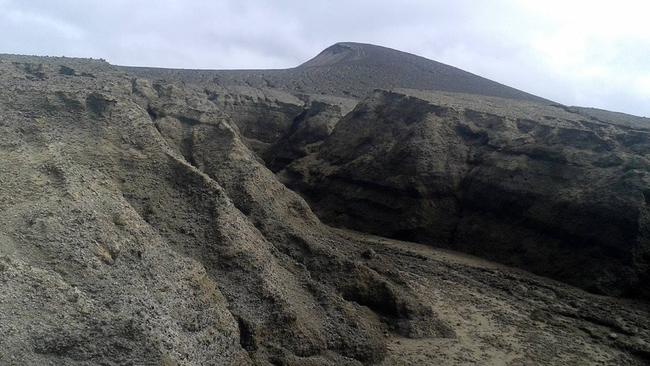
529	185
139	224
305	134
263	116
161	237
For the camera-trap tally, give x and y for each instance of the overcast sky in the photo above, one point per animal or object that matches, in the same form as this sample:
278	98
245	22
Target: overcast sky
577	52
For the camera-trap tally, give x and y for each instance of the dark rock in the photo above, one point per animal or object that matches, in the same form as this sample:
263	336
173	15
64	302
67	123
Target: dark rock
490	181
139	224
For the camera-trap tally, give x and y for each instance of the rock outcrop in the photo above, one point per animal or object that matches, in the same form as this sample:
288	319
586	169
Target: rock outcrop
529	185
140	224
136	213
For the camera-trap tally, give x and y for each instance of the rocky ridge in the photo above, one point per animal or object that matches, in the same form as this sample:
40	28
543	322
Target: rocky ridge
140	225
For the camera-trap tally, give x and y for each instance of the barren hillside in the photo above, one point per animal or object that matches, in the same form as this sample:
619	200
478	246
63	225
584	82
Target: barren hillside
350	70
148	217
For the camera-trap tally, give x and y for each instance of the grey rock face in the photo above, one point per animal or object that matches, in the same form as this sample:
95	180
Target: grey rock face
136	212
304	136
525	184
139	225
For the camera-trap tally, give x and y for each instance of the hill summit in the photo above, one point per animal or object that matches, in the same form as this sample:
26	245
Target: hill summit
349	69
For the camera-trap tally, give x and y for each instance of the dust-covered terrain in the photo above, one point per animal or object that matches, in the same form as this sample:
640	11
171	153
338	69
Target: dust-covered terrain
146	219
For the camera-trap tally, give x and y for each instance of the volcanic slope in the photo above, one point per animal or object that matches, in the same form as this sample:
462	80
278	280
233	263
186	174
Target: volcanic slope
352	70
492	171
138	226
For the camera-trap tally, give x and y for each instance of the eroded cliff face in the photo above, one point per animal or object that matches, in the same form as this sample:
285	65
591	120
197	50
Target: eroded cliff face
140	225
525	184
154	230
